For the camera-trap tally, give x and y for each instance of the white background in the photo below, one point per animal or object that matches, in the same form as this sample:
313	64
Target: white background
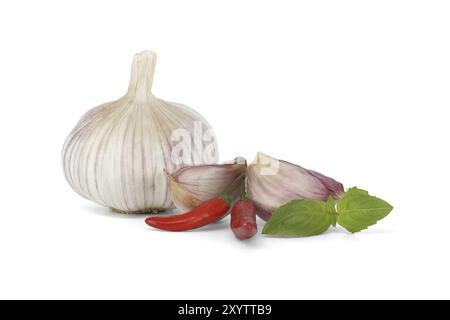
358	90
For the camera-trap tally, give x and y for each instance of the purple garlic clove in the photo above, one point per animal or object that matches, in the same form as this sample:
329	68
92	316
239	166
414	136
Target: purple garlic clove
272	183
190	186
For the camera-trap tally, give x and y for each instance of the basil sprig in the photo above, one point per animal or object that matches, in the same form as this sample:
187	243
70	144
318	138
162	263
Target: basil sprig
355	211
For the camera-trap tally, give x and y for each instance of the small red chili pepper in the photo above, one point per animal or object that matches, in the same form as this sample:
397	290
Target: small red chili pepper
243	217
210	211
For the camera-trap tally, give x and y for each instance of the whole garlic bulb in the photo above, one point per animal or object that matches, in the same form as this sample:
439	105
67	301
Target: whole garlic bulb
117	153
272	183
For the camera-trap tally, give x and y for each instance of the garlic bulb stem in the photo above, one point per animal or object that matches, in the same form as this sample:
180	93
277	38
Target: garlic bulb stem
141	80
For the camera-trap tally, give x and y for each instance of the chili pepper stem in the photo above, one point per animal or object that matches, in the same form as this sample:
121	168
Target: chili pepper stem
243	194
228	194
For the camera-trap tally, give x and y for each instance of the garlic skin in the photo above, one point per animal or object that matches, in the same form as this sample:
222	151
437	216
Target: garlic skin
117	153
190	186
272	183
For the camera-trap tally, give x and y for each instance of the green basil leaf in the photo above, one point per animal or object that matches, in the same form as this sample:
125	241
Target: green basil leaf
330	207
355	191
357	210
302	218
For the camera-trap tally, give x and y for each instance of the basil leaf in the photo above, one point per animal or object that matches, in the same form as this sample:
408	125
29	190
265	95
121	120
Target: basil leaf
355	191
357	210
330	207
301	218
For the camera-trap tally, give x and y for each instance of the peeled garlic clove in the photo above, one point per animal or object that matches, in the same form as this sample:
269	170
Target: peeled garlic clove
116	154
190	186
272	183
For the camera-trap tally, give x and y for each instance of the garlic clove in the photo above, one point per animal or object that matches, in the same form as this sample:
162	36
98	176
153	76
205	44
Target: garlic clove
272	183
116	154
190	186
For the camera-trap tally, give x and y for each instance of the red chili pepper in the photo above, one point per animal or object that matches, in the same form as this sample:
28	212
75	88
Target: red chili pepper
243	217
210	211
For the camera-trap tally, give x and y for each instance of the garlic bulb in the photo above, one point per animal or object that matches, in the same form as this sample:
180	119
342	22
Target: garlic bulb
272	183
118	151
190	186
